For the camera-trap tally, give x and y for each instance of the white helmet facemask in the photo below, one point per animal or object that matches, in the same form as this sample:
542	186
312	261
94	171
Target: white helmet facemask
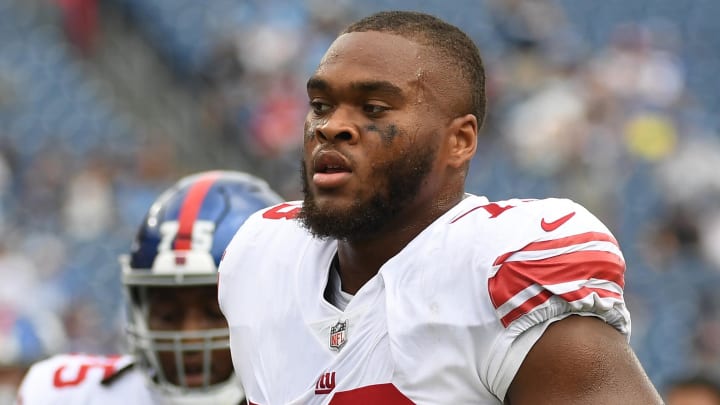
147	344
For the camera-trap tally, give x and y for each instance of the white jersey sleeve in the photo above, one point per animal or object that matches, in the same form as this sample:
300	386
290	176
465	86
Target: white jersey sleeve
552	259
78	379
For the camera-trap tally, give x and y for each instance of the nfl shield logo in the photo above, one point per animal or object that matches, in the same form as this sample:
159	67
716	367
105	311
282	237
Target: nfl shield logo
338	335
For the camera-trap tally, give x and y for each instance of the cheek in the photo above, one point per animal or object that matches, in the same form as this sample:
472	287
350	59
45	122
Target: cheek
217	323
381	153
308	130
222	359
310	127
167	359
376	172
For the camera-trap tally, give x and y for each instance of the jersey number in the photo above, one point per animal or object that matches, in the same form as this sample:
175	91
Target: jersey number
493	209
282	211
62	378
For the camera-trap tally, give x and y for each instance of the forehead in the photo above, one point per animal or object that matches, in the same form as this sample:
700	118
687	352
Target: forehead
372	55
190	295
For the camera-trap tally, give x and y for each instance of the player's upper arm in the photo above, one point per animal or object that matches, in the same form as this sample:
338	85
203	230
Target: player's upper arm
581	360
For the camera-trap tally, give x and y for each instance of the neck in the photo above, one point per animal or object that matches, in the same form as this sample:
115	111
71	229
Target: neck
360	260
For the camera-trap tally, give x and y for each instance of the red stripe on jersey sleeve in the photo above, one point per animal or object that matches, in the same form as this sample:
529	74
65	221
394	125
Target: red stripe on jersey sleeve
514	277
545	295
560	243
583	292
526	307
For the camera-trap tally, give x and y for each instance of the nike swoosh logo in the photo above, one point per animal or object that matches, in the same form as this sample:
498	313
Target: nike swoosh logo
551	226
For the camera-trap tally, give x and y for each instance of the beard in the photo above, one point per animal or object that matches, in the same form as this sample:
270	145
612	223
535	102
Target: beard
366	217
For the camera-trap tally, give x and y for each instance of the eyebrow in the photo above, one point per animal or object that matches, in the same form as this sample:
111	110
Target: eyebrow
317	84
379	86
374	86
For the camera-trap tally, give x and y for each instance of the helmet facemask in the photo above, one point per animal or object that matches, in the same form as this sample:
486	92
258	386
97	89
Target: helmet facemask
175	359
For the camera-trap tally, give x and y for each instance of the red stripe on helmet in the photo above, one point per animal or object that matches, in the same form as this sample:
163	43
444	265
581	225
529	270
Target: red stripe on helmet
190	208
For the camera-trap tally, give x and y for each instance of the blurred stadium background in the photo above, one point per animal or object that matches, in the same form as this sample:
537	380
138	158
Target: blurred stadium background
103	103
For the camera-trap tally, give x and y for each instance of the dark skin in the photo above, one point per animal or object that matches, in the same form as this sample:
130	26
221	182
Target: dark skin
581	360
377	95
189	309
355	113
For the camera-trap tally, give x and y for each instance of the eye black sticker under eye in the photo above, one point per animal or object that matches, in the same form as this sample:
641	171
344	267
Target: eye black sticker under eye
387	134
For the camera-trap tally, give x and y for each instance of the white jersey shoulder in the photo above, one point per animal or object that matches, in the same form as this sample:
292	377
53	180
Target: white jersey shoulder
275	224
541	260
476	289
78	379
540	253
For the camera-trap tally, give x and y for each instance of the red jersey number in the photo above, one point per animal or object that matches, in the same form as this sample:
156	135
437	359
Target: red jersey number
282	211
64	377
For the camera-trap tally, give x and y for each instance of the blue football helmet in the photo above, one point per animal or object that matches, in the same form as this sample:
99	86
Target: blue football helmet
180	244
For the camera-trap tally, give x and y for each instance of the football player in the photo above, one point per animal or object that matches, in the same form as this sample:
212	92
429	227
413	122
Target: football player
389	283
178	336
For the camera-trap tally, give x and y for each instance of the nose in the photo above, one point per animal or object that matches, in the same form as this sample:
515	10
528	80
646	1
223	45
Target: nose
338	127
194	321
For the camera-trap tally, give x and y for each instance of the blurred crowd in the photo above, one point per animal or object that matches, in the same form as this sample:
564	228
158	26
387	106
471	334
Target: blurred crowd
608	113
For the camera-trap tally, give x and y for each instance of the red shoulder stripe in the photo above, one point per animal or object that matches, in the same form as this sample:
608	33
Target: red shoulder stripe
514	277
545	295
560	243
526	307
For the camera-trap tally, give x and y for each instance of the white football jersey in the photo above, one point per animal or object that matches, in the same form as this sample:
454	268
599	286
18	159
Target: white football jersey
78	379
448	320
82	379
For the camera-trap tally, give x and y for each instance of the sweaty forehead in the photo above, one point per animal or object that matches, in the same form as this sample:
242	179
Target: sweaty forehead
375	55
420	72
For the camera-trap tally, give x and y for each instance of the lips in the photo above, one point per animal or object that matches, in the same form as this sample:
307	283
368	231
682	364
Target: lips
330	162
194	376
330	170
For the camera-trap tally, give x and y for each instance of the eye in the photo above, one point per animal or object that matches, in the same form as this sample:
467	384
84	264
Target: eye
375	109
169	318
319	107
164	319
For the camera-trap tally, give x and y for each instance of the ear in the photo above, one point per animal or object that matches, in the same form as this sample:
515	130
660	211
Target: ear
462	140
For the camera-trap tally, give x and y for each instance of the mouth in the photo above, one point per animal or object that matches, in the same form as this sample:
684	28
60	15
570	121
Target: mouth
330	170
194	376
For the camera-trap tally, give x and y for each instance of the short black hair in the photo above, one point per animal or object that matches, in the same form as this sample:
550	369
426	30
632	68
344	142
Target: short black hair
450	42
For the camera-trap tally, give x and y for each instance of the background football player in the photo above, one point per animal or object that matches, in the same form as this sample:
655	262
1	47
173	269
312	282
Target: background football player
177	335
